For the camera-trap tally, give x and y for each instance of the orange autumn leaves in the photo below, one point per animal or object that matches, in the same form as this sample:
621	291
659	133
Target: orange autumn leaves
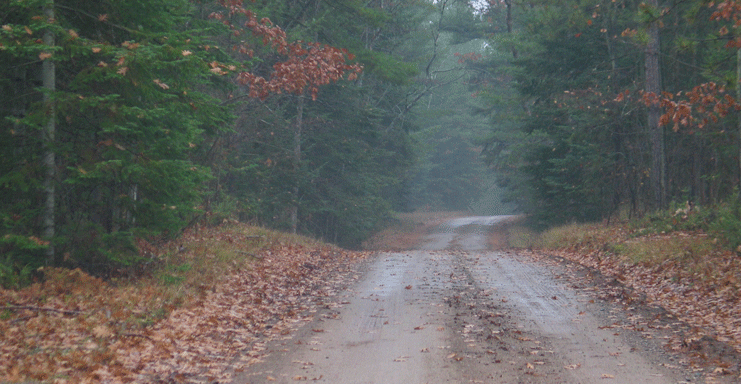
307	65
75	328
708	102
702	105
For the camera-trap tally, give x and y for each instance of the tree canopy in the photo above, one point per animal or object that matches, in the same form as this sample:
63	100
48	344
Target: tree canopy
582	82
122	123
167	112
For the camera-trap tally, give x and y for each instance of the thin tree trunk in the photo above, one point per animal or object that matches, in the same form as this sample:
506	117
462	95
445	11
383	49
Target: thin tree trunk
738	123
297	160
48	73
508	20
656	132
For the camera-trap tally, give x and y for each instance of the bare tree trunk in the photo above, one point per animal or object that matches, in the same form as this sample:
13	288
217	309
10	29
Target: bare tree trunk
48	73
297	160
738	123
508	3
656	132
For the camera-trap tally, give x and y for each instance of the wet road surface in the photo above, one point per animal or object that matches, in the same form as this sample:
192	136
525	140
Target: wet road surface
455	312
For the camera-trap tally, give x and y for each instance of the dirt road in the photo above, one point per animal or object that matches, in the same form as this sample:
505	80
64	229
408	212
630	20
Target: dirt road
456	312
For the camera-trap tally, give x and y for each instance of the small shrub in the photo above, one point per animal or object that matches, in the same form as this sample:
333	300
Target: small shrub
678	217
727	226
103	254
19	257
12	277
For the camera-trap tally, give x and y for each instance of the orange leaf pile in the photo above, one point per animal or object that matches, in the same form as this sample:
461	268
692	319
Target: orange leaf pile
704	292
76	328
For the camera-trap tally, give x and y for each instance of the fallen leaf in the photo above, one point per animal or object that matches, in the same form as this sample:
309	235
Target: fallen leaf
102	331
722	371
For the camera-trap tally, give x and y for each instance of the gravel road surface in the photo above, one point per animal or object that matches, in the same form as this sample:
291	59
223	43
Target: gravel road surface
455	312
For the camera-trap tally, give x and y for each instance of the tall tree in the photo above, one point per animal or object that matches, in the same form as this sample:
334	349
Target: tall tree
368	114
117	125
48	74
653	88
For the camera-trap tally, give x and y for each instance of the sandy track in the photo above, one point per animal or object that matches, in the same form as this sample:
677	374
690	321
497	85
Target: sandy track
454	312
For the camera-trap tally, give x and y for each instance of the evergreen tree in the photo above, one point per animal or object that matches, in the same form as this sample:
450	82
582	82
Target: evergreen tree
129	112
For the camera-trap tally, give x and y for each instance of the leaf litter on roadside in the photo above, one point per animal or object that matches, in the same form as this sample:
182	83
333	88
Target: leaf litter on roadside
702	291
76	328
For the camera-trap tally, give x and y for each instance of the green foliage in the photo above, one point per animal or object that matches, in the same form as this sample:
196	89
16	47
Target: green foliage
90	247
722	221
680	216
354	151
152	134
727	225
386	67
131	114
19	257
561	141
12	277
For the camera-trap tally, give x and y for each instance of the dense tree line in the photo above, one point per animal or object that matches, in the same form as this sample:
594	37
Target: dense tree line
602	107
126	121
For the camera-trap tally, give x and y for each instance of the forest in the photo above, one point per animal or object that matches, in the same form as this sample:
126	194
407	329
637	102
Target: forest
124	122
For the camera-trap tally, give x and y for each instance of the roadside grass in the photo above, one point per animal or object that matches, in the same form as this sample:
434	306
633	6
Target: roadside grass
695	251
188	267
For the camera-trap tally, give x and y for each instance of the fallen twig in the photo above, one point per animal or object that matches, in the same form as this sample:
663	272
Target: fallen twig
137	335
41	309
250	254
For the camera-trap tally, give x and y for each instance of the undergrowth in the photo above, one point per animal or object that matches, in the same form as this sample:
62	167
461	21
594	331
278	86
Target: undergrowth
698	242
196	262
178	274
680	232
70	324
